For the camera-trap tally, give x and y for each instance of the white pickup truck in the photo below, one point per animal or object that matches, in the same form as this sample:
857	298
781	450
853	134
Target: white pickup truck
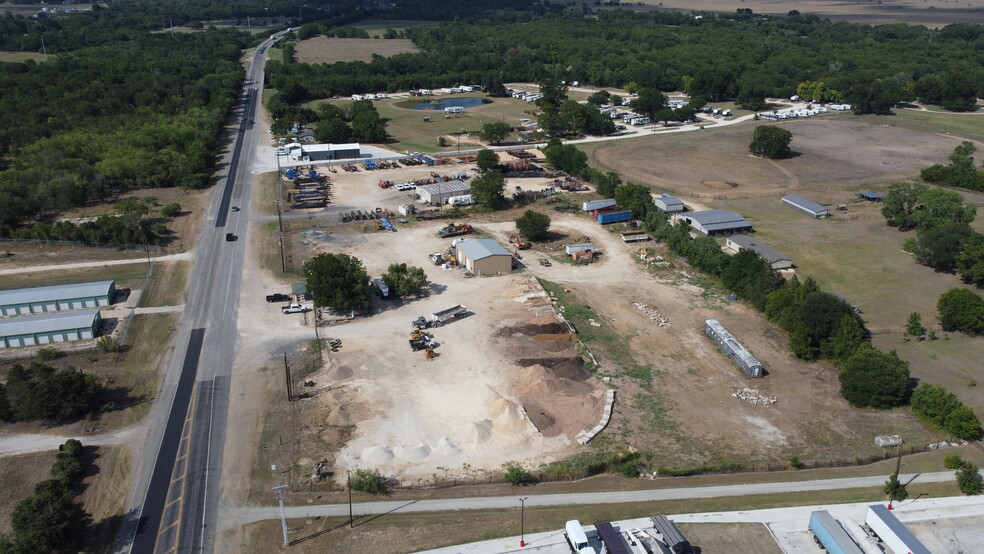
295	309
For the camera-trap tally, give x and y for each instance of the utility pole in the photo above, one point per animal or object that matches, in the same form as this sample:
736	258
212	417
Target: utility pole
522	521
348	485
43	48
280	217
283	261
283	517
895	478
290	392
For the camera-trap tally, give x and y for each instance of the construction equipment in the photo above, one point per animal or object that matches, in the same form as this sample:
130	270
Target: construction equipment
430	354
520	243
454	230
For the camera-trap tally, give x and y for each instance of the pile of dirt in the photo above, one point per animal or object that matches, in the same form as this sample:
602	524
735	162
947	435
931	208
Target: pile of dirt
564	368
538	381
532	329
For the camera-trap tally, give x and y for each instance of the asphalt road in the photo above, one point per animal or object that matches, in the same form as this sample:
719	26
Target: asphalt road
248	515
173	503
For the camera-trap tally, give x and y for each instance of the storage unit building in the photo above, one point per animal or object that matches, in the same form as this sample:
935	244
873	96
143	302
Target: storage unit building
572	248
57	298
49	328
805	205
438	193
734	349
325	152
669	204
671	535
483	256
830	535
717	222
774	257
892	532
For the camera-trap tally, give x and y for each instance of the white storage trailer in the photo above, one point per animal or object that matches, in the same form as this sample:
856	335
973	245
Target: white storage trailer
592	205
892	532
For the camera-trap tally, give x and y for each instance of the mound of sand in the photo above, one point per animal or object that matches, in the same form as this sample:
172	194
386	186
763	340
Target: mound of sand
412	453
445	448
378	455
480	431
536	381
544	320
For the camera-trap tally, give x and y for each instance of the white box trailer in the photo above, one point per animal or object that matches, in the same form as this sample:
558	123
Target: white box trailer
892	532
593	205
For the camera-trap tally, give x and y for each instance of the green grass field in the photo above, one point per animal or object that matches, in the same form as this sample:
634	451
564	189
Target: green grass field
410	132
968	125
13	57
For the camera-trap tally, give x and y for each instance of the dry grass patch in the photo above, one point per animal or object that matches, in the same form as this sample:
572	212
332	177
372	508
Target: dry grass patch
167	285
18	475
321	49
731	537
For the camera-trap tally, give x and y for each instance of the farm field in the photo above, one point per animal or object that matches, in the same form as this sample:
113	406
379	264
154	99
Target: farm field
409	131
321	49
931	13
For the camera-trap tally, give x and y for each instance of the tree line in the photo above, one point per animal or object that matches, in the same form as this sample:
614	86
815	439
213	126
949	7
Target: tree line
717	57
143	112
41	392
50	520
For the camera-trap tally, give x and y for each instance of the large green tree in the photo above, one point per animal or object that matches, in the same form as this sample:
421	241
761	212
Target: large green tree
338	281
495	132
871	378
900	204
42	392
940	246
487	189
487	159
533	225
970	262
49	520
405	280
961	310
770	141
649	102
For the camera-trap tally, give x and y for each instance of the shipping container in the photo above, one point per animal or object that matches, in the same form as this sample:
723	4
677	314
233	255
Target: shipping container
611	538
572	248
671	535
830	535
614	217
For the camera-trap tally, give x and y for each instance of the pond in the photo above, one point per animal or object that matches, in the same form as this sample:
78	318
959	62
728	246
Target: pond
467	102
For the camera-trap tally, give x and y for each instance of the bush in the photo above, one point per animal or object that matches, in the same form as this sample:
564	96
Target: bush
969	480
171	210
47	353
954	461
895	488
943	411
108	343
368	480
43	392
517	476
961	310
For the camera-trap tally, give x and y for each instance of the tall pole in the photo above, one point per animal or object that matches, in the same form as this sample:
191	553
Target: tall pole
280	217
895	478
283	516
43	48
290	393
522	521
348	485
283	260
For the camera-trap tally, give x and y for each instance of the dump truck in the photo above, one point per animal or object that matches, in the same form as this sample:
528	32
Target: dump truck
454	230
437	319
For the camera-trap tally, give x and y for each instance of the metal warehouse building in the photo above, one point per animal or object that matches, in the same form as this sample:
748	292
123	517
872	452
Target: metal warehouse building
730	346
483	256
438	193
48	328
774	257
324	152
805	205
57	298
717	222
669	204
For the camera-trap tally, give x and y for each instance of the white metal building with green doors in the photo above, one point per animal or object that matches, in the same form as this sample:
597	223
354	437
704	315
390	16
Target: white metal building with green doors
33	330
57	298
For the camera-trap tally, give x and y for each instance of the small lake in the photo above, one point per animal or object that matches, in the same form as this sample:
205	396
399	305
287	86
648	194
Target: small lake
441	104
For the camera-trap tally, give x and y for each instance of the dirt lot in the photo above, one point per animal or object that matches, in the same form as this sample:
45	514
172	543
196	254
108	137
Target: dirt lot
730	537
932	13
321	49
832	153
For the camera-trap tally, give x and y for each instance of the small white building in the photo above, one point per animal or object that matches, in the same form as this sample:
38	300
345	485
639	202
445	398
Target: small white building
668	204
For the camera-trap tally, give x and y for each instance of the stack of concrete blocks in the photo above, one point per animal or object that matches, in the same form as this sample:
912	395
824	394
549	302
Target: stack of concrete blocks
606	416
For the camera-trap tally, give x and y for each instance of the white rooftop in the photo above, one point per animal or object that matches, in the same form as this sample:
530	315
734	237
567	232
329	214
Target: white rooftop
477	249
45	323
54	292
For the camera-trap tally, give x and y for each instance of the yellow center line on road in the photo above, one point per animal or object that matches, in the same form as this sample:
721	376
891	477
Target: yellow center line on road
183	477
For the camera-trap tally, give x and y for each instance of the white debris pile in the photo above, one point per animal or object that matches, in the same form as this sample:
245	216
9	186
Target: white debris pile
753	396
654	315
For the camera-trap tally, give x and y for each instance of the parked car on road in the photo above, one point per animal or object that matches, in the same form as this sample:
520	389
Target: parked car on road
545	262
230	237
295	309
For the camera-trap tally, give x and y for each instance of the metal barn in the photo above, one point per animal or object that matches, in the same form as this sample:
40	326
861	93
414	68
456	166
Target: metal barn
57	298
49	328
734	350
438	193
717	222
805	205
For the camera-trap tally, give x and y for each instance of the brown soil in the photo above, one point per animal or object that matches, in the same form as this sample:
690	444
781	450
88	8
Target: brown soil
321	49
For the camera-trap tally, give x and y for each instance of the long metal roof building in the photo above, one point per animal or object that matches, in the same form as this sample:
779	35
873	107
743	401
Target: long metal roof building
438	193
717	222
805	205
777	259
734	349
57	298
48	328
